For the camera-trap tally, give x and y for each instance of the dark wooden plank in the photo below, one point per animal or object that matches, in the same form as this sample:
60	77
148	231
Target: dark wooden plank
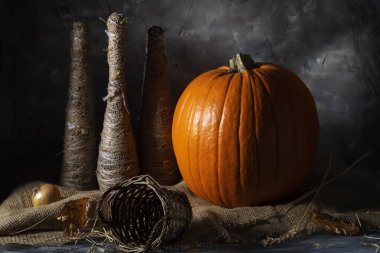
315	243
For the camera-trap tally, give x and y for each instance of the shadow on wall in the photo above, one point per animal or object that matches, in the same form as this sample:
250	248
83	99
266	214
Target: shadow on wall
332	45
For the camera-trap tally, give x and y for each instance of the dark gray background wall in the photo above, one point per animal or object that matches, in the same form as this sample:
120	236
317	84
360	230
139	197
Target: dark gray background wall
334	46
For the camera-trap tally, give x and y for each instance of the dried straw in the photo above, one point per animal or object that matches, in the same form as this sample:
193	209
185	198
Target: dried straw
156	150
78	167
117	159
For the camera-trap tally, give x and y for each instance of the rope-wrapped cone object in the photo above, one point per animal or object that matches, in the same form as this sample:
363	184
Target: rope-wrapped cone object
142	215
117	159
156	153
79	162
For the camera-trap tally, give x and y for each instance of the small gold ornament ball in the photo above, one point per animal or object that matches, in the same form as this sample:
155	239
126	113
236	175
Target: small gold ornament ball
45	194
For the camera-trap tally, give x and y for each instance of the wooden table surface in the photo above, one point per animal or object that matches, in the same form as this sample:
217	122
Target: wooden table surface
315	243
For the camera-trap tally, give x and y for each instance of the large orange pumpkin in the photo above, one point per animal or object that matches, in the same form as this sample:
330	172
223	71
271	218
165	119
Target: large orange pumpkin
245	134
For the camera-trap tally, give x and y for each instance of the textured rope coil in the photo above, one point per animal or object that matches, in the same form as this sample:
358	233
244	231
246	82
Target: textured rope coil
117	160
78	165
142	215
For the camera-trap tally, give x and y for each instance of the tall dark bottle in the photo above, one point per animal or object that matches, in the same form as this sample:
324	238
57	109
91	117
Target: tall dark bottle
156	149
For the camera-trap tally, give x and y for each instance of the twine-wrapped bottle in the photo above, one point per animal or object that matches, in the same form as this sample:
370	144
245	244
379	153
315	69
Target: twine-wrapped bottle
156	150
117	159
78	166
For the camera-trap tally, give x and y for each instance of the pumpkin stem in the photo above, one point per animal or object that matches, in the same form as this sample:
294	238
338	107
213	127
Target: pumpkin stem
241	62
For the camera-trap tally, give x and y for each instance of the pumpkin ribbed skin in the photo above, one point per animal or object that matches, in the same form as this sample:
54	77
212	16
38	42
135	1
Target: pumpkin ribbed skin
245	138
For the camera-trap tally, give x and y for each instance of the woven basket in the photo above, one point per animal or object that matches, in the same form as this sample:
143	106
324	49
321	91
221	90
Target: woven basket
142	215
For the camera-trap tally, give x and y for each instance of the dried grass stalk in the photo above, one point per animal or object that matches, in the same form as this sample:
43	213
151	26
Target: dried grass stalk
117	159
334	225
78	167
156	150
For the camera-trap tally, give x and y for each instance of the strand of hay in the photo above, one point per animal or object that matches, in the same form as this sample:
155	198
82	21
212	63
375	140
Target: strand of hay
117	159
301	224
156	150
78	167
293	203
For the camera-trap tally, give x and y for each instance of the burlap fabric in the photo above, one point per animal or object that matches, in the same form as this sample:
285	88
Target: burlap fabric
355	195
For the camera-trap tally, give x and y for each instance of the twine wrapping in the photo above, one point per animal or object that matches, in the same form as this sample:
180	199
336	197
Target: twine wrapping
156	153
78	167
117	159
142	216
